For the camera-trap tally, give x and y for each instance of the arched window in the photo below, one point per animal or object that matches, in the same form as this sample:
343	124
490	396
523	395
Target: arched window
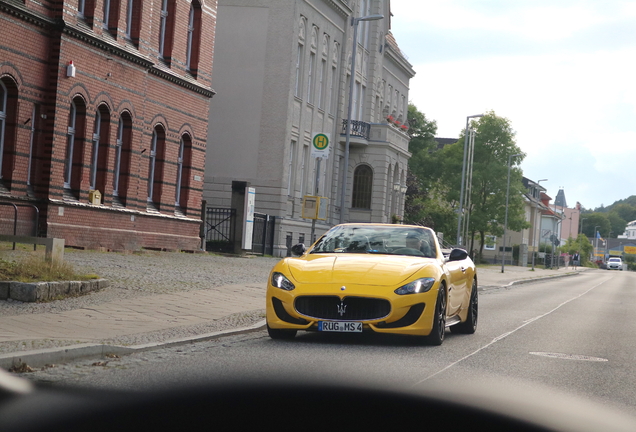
155	168
3	124
194	38
99	152
362	187
10	147
121	176
300	55
73	161
183	174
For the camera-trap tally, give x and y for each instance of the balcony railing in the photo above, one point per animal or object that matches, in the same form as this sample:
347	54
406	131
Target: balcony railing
358	128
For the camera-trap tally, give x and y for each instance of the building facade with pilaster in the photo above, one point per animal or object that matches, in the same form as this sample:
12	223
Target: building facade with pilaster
283	74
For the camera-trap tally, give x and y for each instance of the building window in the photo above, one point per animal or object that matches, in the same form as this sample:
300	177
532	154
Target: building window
362	187
35	115
490	242
3	123
310	92
106	11
194	37
99	154
183	174
302	170
73	162
133	17
122	159
166	28
8	125
155	168
290	167
95	153
331	103
321	80
299	59
81	8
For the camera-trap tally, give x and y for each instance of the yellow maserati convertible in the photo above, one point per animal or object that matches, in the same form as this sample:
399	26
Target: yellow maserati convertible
373	277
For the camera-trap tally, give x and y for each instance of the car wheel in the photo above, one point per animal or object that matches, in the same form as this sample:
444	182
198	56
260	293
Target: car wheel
470	325
439	320
283	334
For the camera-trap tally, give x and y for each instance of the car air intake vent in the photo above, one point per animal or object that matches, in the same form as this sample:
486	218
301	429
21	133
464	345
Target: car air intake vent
347	309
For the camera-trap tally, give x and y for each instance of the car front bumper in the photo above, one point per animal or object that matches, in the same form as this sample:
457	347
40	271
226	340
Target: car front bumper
410	314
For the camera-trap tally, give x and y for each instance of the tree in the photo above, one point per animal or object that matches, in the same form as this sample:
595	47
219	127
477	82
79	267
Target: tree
581	245
424	201
494	143
600	221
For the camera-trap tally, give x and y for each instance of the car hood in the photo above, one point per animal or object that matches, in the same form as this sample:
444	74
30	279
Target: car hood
378	270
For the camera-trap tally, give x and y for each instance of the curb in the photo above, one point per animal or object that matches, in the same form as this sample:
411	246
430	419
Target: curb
529	280
43	357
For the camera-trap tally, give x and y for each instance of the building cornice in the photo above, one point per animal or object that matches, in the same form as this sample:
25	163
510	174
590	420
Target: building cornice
399	59
18	10
340	6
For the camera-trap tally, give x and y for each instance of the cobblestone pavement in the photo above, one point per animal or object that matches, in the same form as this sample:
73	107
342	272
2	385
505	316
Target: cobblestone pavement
134	276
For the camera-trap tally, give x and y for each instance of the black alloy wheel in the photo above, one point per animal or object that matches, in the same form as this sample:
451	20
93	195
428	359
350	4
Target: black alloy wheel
439	320
281	334
470	325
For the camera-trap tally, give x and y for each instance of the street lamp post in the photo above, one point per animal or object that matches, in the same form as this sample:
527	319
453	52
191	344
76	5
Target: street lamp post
460	213
581	230
595	242
503	259
345	168
537	229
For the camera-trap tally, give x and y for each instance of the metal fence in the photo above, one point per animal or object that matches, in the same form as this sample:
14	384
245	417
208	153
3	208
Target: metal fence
19	219
221	226
263	234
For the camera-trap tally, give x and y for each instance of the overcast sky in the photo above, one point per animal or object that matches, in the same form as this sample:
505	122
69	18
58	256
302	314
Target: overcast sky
563	72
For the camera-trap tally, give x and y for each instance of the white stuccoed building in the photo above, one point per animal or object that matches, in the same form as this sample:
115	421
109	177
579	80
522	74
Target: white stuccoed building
282	70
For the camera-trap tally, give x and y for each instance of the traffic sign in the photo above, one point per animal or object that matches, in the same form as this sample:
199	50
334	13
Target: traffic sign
320	145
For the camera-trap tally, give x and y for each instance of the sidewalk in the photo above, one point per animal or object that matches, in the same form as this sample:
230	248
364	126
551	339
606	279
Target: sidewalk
150	321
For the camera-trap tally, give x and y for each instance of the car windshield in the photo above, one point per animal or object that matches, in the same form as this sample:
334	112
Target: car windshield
377	239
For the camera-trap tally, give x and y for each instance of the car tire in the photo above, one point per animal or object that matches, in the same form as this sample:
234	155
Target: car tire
470	325
281	334
436	337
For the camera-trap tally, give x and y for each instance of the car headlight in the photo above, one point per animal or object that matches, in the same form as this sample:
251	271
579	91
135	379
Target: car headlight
280	281
417	286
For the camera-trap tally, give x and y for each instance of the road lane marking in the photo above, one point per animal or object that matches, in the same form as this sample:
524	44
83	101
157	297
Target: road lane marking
569	356
503	336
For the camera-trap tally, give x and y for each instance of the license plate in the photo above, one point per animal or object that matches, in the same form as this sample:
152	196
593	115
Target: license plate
340	326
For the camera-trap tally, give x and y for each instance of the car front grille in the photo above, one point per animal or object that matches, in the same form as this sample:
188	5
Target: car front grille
347	309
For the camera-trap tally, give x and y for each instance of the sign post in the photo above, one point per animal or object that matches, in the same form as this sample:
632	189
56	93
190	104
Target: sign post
248	222
320	150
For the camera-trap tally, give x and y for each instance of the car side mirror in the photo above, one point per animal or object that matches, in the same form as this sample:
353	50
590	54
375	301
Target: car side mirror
457	255
298	249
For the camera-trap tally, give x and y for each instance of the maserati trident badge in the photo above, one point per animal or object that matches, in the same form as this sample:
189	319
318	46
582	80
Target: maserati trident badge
342	308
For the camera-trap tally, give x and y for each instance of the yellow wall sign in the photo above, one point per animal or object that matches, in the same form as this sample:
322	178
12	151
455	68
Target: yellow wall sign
630	250
314	207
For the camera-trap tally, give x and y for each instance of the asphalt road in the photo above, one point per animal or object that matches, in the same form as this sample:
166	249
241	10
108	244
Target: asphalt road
572	336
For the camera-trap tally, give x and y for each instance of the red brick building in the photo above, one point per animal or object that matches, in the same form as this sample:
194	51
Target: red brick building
109	96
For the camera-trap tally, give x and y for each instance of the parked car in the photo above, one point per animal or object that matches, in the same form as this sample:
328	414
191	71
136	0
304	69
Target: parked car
614	263
373	277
